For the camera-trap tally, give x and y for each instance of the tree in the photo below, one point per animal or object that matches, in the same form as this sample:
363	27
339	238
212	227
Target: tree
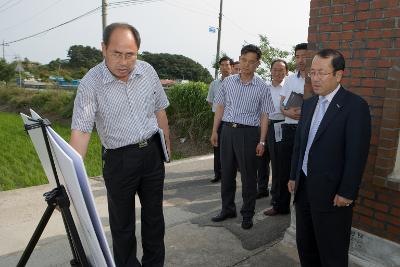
269	54
7	71
175	67
84	56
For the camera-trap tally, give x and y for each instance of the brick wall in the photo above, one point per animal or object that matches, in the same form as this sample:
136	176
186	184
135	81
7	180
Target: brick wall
368	35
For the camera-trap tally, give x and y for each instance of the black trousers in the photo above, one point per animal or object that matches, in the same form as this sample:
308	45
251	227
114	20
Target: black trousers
238	149
281	173
322	238
217	157
127	171
274	155
263	169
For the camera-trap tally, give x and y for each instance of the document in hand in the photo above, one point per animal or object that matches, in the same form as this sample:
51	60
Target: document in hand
295	100
164	145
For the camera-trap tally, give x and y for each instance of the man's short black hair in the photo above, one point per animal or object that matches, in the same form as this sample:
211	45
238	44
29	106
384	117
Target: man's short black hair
225	58
236	62
302	46
280	60
251	49
109	29
338	62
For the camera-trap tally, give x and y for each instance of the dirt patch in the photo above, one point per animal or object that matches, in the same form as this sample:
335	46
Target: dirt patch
184	147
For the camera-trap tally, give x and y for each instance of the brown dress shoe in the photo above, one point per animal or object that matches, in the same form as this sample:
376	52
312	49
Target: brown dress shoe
271	212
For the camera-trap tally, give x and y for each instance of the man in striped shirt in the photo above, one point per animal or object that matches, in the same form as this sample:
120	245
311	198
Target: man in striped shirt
124	98
243	104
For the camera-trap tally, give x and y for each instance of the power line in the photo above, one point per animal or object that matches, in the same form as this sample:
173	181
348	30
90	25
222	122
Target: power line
31	17
55	27
189	9
6	8
116	4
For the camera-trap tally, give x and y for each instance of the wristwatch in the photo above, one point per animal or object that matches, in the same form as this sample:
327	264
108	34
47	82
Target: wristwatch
262	143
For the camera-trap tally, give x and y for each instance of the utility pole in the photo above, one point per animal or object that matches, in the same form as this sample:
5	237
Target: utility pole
219	37
4	45
104	13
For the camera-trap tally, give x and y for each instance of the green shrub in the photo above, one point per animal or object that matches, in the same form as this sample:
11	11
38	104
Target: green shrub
189	112
55	102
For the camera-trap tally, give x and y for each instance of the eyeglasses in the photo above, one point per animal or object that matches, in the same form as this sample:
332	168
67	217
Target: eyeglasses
318	74
250	62
119	56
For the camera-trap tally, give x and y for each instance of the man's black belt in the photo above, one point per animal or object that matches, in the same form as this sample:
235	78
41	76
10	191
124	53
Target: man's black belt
237	125
142	144
274	121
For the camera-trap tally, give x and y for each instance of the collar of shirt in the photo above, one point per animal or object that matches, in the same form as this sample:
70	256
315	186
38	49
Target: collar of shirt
252	82
109	77
279	85
298	75
330	96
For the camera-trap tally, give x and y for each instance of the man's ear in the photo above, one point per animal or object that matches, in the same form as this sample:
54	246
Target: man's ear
339	75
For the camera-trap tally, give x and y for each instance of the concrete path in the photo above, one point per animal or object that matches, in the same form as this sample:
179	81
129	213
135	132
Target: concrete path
191	239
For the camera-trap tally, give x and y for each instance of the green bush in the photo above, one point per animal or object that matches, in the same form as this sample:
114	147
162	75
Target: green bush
55	102
189	112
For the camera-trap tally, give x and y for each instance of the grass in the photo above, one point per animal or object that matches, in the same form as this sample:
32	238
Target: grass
19	163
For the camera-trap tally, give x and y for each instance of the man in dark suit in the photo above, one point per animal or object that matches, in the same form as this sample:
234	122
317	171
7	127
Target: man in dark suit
329	156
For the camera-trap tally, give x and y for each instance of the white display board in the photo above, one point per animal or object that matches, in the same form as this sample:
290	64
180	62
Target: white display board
72	174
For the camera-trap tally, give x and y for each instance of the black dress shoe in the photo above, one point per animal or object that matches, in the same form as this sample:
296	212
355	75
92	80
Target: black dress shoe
247	223
261	194
223	216
271	212
215	180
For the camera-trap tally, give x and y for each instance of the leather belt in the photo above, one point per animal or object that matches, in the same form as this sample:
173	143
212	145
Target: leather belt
238	125
142	144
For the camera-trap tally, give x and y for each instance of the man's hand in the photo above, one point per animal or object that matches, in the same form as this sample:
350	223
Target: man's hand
259	150
293	113
291	185
214	138
341	201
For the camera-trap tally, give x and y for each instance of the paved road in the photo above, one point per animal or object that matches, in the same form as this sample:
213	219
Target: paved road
191	239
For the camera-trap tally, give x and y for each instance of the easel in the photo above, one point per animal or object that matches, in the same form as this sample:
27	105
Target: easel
55	198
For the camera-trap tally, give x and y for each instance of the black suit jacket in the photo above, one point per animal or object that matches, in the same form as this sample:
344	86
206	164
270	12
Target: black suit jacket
339	152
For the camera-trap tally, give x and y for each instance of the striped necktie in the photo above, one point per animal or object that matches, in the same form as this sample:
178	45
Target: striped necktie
323	103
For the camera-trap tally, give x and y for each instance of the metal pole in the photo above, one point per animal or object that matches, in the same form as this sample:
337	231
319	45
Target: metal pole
4	58
104	13
219	37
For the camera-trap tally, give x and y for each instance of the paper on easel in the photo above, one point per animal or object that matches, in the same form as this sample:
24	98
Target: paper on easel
164	145
278	131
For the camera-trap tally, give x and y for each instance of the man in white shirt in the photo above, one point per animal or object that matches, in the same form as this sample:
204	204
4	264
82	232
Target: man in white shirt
293	83
279	71
225	68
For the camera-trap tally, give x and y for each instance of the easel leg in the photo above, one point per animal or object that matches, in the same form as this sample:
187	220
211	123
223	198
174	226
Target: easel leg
36	235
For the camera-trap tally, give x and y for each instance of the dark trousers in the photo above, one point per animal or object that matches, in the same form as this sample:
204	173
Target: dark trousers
127	171
282	162
217	157
263	170
275	155
323	238
238	149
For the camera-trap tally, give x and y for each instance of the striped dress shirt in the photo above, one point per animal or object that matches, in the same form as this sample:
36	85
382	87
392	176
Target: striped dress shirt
124	112
244	102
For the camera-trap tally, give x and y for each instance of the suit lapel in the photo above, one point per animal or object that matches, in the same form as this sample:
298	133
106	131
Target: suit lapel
334	108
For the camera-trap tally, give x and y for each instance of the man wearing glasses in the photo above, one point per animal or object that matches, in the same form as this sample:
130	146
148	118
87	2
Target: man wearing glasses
243	104
123	96
294	83
329	157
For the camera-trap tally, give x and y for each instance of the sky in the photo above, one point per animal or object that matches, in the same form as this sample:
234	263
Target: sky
166	26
